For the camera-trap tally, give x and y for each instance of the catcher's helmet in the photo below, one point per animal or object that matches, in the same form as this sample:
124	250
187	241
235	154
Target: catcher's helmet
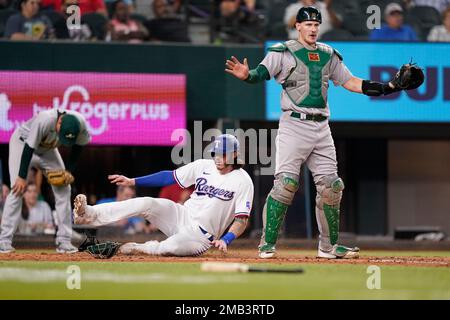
309	14
225	144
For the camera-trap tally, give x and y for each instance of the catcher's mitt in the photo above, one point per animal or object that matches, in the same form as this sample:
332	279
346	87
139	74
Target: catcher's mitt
410	76
59	177
104	250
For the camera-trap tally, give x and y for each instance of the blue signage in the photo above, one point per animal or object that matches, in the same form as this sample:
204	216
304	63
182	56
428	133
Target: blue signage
379	62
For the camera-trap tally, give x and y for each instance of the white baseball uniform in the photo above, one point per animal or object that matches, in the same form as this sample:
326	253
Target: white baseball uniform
40	134
190	228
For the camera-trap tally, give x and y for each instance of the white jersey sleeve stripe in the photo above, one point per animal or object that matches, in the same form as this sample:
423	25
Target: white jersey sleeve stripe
177	180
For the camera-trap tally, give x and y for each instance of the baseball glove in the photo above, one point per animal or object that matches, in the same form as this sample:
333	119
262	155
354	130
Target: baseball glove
59	177
104	250
410	76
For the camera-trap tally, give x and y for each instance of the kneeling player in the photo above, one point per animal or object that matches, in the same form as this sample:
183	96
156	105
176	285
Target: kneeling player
223	195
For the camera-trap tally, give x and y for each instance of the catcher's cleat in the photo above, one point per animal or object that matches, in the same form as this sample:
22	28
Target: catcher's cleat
339	252
266	251
80	207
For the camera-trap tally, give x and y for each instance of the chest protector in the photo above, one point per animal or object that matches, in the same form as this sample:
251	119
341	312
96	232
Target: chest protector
307	83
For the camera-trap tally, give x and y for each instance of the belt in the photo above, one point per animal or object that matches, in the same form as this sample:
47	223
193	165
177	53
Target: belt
312	117
207	234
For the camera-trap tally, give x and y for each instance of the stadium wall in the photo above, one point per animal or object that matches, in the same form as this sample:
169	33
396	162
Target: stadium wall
211	93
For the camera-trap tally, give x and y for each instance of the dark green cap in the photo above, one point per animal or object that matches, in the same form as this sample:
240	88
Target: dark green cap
70	128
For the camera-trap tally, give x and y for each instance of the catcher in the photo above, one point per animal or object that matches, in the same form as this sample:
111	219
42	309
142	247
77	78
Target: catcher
303	68
35	144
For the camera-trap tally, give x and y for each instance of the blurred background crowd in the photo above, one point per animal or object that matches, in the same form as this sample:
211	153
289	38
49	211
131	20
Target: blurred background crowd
221	21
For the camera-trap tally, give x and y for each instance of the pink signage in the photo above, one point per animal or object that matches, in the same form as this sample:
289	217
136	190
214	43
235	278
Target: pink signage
120	108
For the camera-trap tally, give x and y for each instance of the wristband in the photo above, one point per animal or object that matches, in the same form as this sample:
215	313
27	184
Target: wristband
228	238
258	75
375	89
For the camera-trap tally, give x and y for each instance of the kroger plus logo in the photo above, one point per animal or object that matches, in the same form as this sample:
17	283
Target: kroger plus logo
203	189
77	98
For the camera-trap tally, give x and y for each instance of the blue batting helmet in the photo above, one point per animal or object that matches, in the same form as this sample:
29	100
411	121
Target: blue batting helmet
225	144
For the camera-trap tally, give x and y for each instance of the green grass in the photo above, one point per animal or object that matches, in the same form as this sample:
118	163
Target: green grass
140	280
371	253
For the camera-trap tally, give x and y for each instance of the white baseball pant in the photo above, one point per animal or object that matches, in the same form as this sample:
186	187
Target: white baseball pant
185	237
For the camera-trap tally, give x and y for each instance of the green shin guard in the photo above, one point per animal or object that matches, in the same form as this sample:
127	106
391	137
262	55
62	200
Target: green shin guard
274	218
332	216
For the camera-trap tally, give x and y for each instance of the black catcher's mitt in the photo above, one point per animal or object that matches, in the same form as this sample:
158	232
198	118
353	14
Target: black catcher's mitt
410	76
104	250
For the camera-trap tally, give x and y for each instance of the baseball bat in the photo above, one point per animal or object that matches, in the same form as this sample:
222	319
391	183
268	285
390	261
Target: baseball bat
242	267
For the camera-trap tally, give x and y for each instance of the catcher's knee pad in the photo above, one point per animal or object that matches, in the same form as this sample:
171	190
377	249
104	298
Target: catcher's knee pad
284	187
330	189
329	194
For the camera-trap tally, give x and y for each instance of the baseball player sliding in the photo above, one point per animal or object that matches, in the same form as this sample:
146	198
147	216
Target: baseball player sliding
303	67
35	144
223	195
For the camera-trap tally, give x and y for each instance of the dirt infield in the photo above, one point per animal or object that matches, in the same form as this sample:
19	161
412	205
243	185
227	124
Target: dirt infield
242	256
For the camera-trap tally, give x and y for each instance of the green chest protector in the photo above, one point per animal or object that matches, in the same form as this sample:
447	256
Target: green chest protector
307	83
315	61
